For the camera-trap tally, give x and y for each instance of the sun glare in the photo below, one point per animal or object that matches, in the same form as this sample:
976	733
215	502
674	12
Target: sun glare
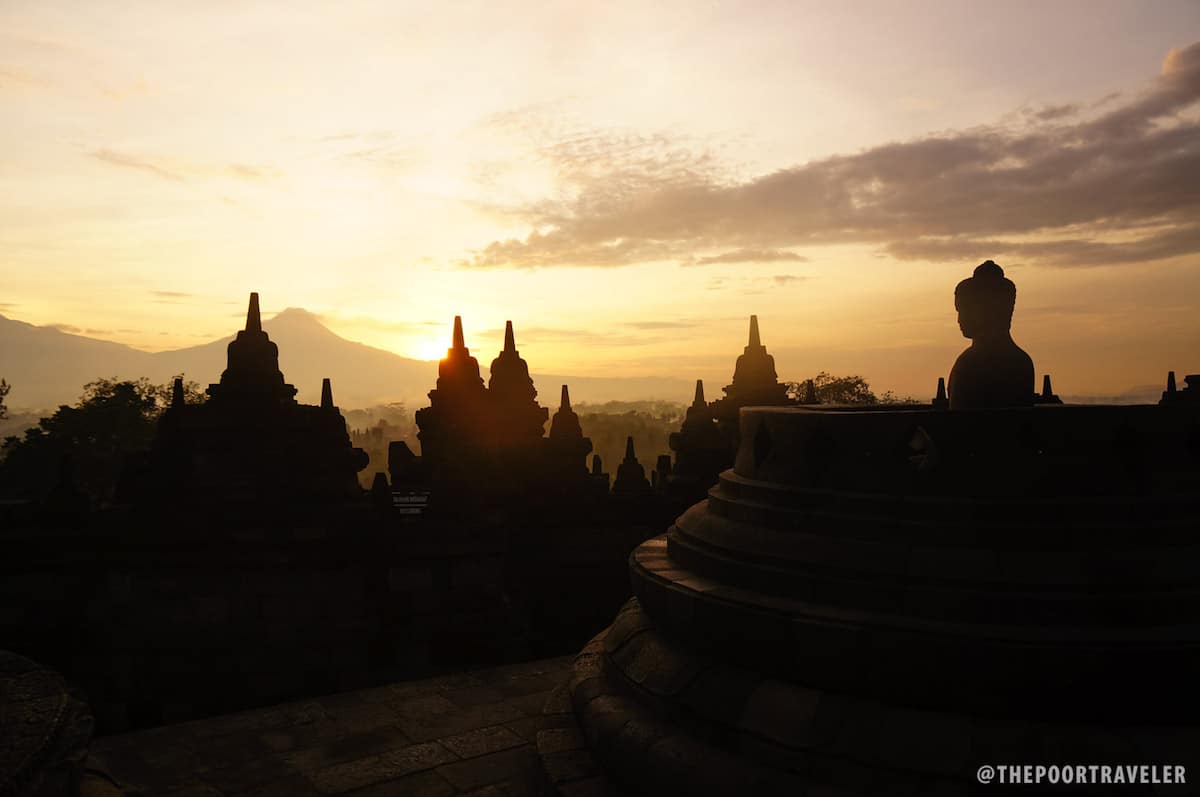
428	349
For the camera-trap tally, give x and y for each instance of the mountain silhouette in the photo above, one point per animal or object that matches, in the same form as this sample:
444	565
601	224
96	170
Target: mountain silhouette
48	367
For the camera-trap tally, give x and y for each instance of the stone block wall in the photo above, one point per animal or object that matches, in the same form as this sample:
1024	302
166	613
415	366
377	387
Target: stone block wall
163	622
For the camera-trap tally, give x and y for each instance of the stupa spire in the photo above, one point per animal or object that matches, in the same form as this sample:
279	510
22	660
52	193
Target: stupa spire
565	402
629	455
326	394
1047	396
755	342
940	400
698	401
510	343
458	342
177	393
253	317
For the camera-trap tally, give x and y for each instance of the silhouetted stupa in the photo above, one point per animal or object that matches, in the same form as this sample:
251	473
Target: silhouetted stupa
251	440
631	481
453	426
755	384
701	451
252	376
519	419
1190	393
568	448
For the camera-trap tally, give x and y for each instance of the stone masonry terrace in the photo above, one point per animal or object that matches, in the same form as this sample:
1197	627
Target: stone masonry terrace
467	733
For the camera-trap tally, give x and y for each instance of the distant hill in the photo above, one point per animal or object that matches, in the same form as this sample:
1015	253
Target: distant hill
47	367
1141	394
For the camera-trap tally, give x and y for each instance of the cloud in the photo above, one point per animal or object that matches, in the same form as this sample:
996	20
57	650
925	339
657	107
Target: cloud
135	88
748	256
134	162
66	328
536	335
542	334
11	76
182	171
1049	113
381	148
1058	189
249	171
663	324
784	279
381	325
388	157
751	285
172	294
1171	242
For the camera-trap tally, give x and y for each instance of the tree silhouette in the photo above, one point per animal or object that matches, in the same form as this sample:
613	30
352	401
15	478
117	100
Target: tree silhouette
4	388
114	418
852	389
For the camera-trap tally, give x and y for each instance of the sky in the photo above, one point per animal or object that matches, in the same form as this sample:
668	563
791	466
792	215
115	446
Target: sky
626	181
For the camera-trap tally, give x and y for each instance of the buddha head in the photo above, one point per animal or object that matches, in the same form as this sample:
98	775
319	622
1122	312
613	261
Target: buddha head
985	302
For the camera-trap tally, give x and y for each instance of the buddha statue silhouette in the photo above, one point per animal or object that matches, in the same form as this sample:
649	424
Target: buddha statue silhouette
994	371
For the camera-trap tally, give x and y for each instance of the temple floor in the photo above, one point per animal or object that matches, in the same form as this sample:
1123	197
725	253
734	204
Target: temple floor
467	733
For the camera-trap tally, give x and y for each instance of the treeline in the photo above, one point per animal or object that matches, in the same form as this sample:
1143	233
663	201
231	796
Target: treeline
649	422
112	420
830	389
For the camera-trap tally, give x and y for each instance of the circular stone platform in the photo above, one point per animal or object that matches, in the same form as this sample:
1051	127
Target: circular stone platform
884	601
44	731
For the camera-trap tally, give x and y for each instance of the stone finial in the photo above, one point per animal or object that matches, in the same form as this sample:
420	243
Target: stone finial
253	316
458	342
1047	395
940	400
510	342
698	401
326	394
177	400
755	341
565	402
1171	381
629	455
597	466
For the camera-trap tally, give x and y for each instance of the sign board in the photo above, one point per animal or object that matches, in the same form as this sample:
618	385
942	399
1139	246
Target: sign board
410	502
